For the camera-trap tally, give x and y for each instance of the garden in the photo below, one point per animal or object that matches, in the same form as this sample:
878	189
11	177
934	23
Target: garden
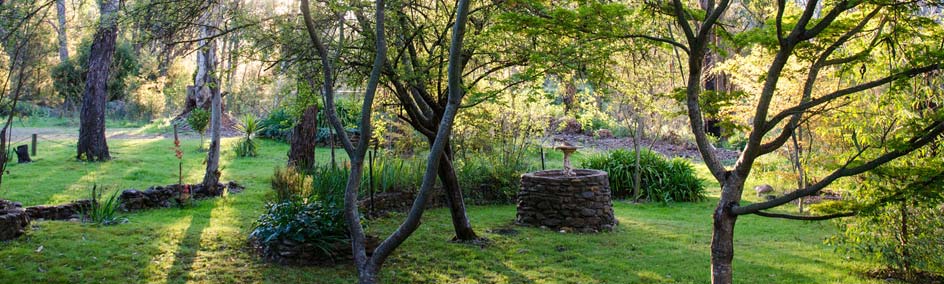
462	142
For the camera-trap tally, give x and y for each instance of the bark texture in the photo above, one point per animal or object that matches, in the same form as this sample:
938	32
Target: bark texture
92	145
302	152
61	30
212	176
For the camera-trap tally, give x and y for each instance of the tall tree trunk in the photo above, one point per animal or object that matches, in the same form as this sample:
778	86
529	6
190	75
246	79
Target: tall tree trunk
212	176
460	221
63	39
92	145
302	152
722	238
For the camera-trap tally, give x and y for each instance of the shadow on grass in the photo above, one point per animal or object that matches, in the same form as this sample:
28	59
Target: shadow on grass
190	244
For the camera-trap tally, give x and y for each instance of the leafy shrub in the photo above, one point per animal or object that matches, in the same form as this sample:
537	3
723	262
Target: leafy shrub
312	224
661	179
486	179
102	213
900	220
277	126
198	120
289	183
246	147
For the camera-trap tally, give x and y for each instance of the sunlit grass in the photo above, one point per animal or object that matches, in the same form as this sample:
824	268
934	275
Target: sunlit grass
654	243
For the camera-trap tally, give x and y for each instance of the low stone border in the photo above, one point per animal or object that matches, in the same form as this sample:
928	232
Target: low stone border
288	252
13	220
165	196
66	211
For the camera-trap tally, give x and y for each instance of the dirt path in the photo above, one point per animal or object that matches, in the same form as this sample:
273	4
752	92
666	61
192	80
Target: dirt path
71	133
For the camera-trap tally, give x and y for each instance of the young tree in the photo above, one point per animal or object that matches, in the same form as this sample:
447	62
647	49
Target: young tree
369	268
92	145
413	73
816	41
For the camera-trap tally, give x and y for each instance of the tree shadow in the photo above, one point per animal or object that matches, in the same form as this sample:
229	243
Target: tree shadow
191	243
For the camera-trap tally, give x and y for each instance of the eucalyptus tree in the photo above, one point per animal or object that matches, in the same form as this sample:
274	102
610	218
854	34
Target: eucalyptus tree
92	145
414	72
845	37
61	35
206	81
369	267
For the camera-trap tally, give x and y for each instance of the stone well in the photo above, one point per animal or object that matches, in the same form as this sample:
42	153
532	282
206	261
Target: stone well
575	203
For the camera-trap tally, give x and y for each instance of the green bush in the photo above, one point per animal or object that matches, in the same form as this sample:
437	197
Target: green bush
314	224
198	120
661	179
103	213
245	147
277	126
485	179
289	183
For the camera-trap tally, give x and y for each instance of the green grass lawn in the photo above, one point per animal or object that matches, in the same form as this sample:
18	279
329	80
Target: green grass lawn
654	243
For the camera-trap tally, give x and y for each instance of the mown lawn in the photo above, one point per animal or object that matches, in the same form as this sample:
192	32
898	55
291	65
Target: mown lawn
654	243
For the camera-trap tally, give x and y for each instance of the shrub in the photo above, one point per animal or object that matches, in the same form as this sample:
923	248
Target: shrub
102	213
290	184
900	220
486	180
198	120
661	179
277	126
246	147
305	225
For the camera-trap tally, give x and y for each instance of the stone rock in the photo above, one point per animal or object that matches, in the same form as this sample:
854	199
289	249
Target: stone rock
550	200
13	220
763	189
66	211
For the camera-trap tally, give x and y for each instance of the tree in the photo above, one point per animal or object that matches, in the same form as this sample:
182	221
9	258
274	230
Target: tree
369	268
413	73
61	31
206	71
848	27
92	145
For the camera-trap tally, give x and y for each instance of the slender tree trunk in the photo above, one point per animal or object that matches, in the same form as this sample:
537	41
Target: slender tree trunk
92	145
212	176
722	238
302	152
63	39
460	221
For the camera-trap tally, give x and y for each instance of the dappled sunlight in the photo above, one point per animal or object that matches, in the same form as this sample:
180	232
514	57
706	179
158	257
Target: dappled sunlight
169	245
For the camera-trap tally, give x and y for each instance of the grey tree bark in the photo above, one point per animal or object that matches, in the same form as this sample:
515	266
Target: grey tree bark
61	31
369	268
212	176
92	145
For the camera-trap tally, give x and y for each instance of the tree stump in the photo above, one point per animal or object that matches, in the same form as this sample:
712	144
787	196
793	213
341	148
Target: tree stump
22	154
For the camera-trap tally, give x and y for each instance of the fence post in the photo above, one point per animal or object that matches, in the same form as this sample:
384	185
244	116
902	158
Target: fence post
33	146
370	181
542	158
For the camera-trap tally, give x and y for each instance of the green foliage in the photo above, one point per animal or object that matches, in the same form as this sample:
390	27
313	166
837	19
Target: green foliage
485	179
661	179
246	147
69	77
102	213
315	224
289	183
901	218
277	125
198	120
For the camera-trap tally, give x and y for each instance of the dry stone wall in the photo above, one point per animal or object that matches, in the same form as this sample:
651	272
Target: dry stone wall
581	203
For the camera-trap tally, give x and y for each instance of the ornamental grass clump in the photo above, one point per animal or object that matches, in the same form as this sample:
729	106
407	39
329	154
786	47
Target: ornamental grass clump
662	179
